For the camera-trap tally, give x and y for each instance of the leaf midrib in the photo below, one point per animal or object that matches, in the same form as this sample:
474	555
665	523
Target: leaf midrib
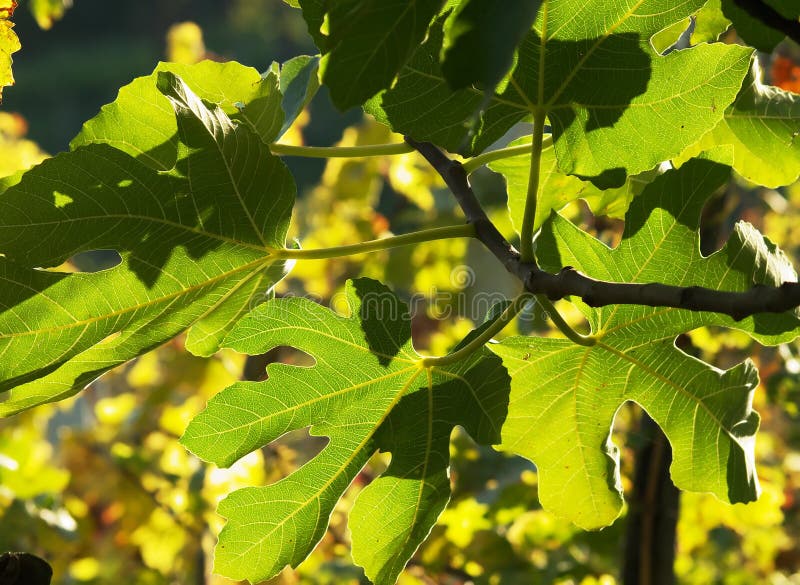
355	451
299	406
666	381
261	262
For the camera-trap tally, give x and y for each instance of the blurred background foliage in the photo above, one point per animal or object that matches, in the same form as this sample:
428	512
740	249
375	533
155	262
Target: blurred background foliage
99	486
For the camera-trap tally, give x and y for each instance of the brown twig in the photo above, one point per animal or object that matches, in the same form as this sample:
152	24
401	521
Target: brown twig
599	293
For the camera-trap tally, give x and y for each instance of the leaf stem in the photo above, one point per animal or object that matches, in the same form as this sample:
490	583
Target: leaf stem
563	326
429	235
529	216
340	151
498	325
509	151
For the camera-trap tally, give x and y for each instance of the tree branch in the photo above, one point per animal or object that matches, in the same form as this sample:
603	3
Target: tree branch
599	293
767	15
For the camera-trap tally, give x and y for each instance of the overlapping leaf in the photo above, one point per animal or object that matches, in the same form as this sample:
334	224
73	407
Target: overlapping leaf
615	105
9	43
709	24
195	243
762	126
557	189
141	122
367	42
756	32
481	41
564	396
367	391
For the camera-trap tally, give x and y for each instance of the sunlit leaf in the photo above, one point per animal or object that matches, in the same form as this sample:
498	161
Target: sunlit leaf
367	391
565	396
557	189
761	125
195	245
9	43
615	105
141	123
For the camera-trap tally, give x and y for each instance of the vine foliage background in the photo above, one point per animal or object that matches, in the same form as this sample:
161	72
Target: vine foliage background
174	218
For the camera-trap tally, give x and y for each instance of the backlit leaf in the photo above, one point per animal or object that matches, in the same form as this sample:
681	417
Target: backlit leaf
195	243
557	189
9	43
366	42
564	396
761	125
367	391
141	122
614	104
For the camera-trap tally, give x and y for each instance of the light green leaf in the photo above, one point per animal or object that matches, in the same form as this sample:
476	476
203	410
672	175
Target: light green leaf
141	122
9	43
710	23
195	244
367	391
564	396
614	104
368	42
762	127
557	189
481	40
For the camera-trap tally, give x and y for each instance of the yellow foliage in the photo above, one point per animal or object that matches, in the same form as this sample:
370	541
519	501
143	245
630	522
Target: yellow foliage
85	569
413	178
161	541
16	152
9	43
114	410
463	520
46	12
185	43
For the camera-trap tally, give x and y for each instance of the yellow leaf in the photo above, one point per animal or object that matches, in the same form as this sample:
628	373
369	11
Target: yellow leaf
185	43
9	43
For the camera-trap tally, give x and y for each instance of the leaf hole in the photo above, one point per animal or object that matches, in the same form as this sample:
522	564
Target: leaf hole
89	262
294	449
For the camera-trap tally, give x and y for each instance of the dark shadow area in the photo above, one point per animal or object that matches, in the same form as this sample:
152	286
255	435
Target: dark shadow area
479	405
385	319
616	71
649	551
682	192
19	568
608	179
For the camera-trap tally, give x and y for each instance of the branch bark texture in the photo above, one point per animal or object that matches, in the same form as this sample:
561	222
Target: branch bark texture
599	293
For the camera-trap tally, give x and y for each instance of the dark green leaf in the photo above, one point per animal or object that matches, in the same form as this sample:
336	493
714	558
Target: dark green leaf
614	104
481	39
368	42
754	31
